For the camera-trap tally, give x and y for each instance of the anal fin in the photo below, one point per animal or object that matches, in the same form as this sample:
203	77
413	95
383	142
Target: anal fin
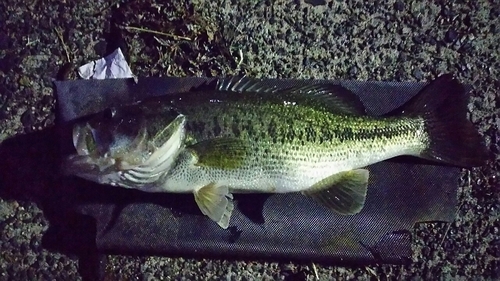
344	193
216	203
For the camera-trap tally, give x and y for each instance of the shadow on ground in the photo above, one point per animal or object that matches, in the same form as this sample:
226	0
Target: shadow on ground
30	172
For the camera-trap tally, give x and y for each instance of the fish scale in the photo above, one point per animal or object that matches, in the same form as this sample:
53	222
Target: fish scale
324	132
305	143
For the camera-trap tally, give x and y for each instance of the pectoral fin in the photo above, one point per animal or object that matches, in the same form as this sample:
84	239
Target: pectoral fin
215	202
343	193
224	153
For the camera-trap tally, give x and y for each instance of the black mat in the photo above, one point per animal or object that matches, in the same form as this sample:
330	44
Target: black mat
401	192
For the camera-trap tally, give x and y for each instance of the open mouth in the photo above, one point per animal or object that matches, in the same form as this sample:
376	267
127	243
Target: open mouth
82	138
85	160
76	164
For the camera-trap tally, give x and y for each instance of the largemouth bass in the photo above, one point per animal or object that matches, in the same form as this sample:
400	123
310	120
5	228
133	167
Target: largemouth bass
238	136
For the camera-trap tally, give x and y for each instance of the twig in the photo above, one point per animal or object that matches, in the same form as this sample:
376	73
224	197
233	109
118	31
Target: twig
372	272
315	270
140	29
61	38
29	43
241	59
449	226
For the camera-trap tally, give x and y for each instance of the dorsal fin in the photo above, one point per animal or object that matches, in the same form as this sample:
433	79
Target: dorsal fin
326	96
238	84
330	97
245	85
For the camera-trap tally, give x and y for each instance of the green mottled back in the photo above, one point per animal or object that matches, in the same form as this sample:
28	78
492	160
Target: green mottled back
313	121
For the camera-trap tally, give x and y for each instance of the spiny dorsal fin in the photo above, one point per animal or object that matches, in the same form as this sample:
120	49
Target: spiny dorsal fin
329	97
237	84
244	85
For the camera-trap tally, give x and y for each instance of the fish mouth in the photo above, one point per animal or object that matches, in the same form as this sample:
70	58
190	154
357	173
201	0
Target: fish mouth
89	167
81	134
86	162
77	164
103	171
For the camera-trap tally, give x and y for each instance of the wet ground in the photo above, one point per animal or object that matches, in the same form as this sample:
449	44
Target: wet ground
401	41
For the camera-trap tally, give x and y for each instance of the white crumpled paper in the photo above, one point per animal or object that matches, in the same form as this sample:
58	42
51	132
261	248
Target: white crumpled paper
112	66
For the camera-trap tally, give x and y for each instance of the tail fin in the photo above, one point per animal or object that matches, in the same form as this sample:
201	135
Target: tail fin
452	137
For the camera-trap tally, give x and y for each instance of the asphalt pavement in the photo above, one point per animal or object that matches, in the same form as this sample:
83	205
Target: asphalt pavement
311	39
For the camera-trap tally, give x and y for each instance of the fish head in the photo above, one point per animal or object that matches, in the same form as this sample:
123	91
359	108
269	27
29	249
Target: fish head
125	138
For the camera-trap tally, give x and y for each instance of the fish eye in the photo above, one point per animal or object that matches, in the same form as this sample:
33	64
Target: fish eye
109	113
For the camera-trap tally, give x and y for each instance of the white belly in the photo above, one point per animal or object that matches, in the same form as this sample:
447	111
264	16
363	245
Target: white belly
186	176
